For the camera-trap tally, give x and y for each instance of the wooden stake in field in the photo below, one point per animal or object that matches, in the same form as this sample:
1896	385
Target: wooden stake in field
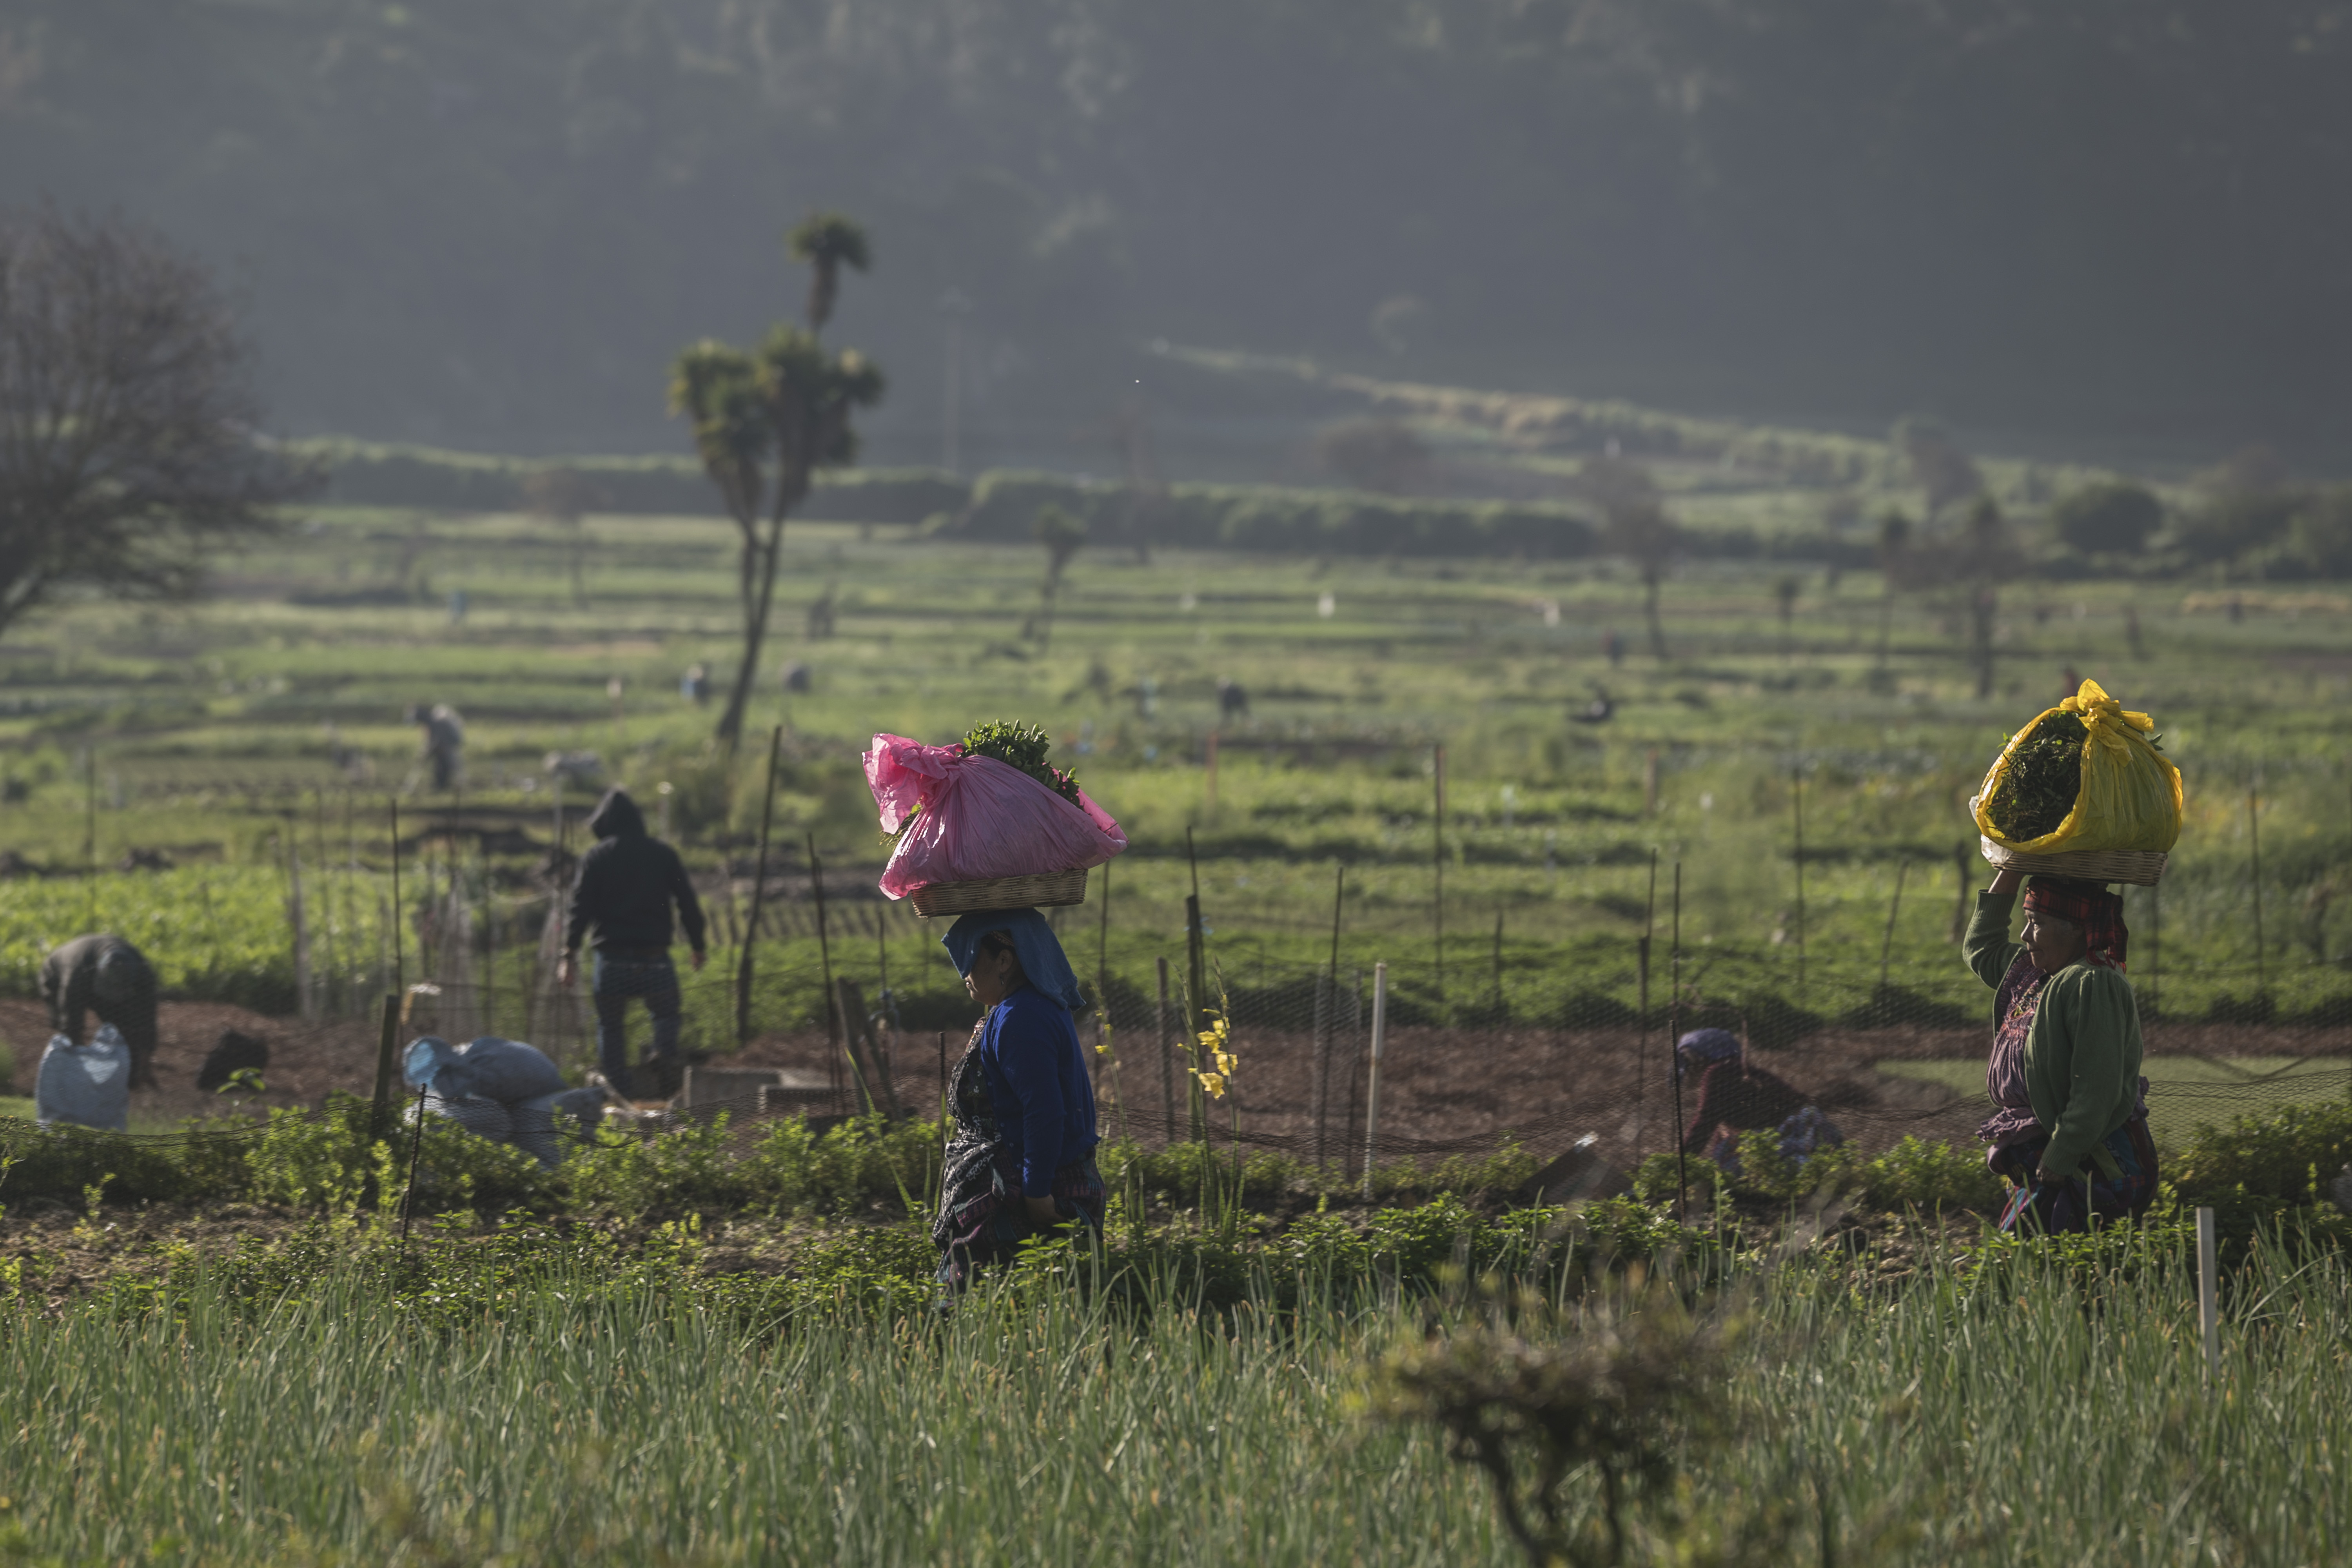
2254	842
1167	1061
2209	1316
1674	1011
1960	907
1196	987
1893	908
387	1051
399	959
1372	1088
759	891
1326	1005
1437	867
1797	799
833	1019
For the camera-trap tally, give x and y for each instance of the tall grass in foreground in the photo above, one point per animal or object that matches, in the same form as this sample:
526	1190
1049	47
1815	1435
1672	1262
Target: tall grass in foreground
2027	1409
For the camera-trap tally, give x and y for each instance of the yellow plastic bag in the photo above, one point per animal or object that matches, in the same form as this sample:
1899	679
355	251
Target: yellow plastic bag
2130	797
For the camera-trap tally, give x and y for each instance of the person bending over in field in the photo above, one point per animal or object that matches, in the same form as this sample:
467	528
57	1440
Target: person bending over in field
1735	1097
2070	1108
1023	1162
104	975
626	883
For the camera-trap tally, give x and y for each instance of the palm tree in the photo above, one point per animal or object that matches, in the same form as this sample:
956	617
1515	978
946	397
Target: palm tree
827	242
789	400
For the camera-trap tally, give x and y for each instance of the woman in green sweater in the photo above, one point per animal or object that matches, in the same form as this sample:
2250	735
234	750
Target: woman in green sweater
2070	1108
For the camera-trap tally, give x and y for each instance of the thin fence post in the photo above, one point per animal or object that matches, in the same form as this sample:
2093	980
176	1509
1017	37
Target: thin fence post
399	916
2254	839
1437	864
1167	1061
1894	907
1373	1088
743	958
386	1052
2209	1316
1196	987
833	1018
1798	798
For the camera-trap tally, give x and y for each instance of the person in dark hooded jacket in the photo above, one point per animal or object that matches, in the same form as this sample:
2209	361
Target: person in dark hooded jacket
628	881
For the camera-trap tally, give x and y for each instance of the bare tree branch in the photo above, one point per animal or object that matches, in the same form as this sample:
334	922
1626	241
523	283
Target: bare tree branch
130	447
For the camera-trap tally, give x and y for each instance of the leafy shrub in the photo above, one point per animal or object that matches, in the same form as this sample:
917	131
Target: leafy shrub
316	1159
2112	516
2290	1154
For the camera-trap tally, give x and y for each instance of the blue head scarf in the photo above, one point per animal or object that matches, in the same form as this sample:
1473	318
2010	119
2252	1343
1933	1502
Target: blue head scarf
1704	1048
1033	943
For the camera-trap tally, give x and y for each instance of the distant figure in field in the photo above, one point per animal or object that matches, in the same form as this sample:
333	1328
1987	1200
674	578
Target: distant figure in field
626	884
104	975
797	676
1734	1098
2070	681
1232	702
1613	648
694	685
445	742
1597	711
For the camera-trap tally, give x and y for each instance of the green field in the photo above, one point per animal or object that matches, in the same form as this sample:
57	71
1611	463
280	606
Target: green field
529	1397
205	731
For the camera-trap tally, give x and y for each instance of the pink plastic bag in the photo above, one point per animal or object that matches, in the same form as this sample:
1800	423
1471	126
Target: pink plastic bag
980	818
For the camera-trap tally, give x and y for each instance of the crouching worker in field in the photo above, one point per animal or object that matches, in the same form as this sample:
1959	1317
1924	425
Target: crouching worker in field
504	1090
1023	1162
624	888
1734	1098
2070	1109
104	975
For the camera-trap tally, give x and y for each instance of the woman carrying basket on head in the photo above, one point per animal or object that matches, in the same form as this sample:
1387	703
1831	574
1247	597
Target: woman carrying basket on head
2069	1128
1022	1161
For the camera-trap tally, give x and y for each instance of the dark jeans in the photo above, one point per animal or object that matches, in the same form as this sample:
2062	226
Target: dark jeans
619	977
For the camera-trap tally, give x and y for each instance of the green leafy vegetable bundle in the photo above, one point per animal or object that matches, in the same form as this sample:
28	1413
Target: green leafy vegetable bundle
2043	778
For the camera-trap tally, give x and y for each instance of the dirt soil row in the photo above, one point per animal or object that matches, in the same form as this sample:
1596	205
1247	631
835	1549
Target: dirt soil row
1440	1090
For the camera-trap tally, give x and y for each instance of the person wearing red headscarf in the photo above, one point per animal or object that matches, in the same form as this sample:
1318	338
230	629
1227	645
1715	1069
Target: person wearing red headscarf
2070	1109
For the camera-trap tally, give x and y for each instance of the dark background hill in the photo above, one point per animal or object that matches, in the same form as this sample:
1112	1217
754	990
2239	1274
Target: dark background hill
2117	223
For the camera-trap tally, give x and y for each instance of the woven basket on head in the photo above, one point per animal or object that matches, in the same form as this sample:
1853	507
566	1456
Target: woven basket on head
2141	866
1000	893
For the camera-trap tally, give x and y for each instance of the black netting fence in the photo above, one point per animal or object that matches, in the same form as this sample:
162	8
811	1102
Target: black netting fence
1467	1062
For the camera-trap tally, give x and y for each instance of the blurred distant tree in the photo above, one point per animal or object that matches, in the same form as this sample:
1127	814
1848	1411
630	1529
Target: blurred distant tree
1063	536
1980	560
1938	465
1385	455
2246	501
1785	590
2113	517
1893	569
1635	528
788	400
2321	535
129	452
564	497
827	242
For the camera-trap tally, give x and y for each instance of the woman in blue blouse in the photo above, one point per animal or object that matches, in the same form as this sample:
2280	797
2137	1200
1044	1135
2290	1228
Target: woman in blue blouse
1022	1161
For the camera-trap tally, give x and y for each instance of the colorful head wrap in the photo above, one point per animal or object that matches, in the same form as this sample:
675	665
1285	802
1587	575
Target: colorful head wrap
2089	905
1704	1048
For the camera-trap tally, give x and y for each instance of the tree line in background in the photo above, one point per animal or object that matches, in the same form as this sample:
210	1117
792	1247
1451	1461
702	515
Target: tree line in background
470	224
